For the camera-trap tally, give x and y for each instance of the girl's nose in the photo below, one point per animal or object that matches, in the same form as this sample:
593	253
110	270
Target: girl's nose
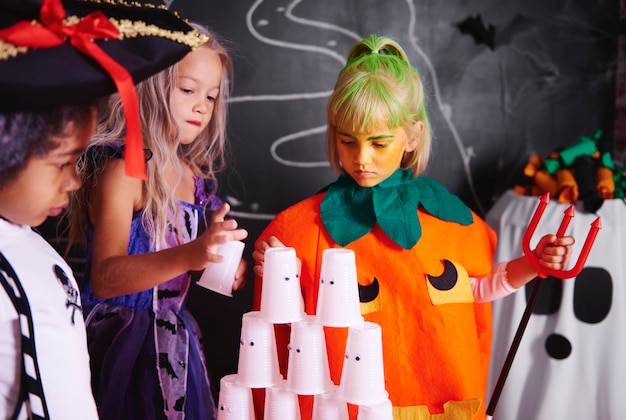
362	154
200	106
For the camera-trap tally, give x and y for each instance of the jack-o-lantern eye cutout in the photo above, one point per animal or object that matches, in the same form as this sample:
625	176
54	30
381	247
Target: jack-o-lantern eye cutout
593	297
369	297
451	286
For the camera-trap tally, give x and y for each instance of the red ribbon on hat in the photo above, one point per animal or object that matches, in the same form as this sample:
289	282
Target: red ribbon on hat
51	32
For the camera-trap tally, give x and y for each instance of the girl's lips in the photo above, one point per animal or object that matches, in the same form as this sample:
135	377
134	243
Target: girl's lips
55	212
194	123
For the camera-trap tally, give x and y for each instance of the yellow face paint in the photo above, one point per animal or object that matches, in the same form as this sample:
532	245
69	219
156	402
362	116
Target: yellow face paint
372	155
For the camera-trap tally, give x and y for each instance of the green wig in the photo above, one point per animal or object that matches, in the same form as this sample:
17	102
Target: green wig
379	85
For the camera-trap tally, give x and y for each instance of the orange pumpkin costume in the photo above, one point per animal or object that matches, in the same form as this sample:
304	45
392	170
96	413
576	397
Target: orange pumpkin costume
436	343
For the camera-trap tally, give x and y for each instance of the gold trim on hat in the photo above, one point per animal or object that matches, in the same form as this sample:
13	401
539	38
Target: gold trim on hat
127	29
8	50
130	29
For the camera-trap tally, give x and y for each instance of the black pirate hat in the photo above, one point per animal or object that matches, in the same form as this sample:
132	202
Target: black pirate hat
57	52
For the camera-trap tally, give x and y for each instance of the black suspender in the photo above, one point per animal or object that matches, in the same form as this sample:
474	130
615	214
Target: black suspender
31	389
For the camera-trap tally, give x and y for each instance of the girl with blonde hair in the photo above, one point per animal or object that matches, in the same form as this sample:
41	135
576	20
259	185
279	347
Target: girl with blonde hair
143	240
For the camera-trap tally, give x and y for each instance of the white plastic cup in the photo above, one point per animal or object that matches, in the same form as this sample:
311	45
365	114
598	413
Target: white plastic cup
329	406
258	359
362	375
281	404
383	411
307	370
235	401
220	276
281	296
338	302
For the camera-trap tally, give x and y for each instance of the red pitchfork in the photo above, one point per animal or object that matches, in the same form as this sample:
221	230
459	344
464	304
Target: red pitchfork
542	273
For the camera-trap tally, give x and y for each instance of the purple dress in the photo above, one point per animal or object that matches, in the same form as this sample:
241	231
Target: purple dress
146	353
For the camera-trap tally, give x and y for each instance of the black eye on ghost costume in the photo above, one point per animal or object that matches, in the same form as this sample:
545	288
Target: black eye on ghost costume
593	296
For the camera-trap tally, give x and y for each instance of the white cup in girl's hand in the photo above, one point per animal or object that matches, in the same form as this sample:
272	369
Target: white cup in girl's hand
220	276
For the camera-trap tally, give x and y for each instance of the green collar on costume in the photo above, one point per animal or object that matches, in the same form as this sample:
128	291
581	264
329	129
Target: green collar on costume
349	211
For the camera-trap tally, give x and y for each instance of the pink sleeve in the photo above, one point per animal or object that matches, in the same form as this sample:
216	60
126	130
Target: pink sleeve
497	286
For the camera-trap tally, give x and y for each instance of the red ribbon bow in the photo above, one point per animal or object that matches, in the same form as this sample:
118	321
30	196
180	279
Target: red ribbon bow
52	32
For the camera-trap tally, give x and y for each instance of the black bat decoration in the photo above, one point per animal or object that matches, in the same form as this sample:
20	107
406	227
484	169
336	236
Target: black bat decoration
167	325
164	363
487	34
166	293
474	26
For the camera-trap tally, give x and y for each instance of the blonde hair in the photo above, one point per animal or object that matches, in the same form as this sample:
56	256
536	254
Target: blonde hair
379	85
205	155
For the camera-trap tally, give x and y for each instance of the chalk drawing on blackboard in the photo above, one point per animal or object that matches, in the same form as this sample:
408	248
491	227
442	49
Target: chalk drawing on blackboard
297	136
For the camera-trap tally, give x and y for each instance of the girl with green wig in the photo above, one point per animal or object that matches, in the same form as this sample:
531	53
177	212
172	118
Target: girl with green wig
424	259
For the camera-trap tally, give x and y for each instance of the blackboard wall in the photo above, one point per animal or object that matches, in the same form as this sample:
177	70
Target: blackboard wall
505	79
